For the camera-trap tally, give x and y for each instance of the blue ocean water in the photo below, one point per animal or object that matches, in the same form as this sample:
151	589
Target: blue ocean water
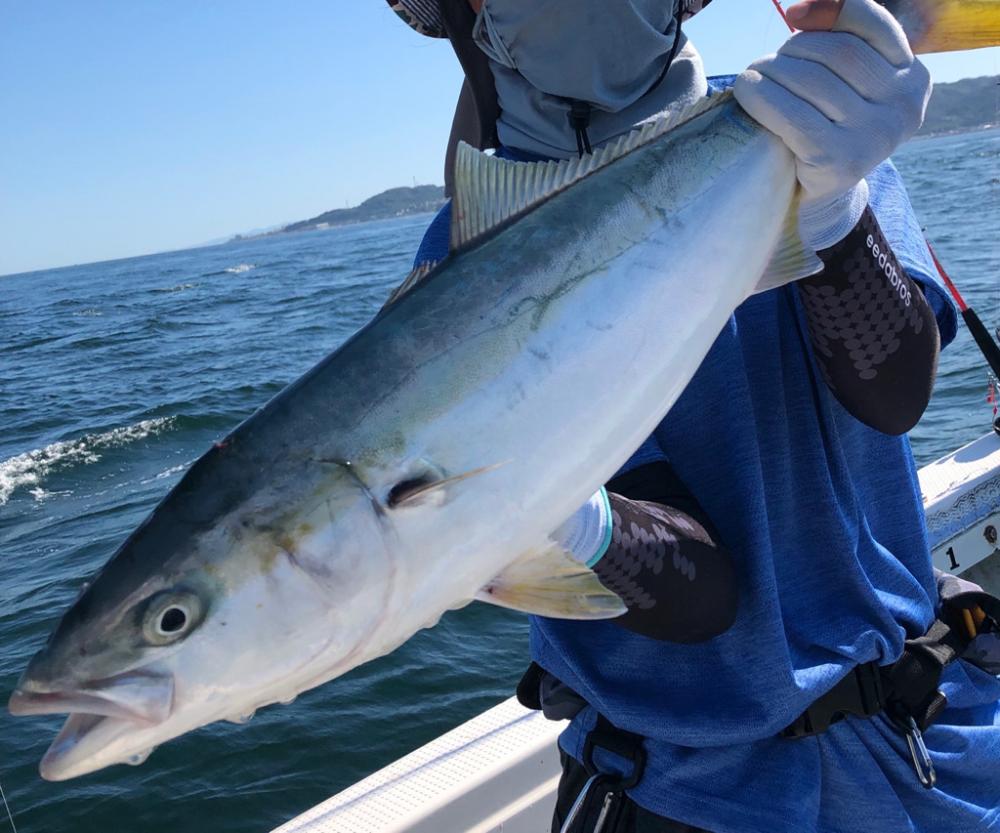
116	376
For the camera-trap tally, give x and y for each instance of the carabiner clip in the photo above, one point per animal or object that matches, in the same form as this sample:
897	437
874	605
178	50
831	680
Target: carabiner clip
574	811
922	763
603	815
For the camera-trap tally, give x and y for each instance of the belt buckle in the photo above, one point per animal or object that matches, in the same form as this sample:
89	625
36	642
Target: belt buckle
859	693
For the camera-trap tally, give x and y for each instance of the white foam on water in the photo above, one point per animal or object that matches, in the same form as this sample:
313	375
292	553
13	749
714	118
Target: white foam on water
171	471
240	268
28	470
165	473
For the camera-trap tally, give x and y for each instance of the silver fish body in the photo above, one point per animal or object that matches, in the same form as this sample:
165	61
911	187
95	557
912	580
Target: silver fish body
428	460
437	447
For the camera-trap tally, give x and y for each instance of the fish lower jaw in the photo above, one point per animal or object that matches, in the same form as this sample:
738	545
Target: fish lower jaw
84	745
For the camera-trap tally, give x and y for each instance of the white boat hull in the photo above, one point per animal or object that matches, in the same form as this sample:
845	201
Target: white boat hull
496	772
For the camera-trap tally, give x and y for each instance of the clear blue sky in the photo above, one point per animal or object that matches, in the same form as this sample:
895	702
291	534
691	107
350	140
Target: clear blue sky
134	127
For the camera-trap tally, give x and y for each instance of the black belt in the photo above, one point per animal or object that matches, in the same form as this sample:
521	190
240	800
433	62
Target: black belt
906	691
860	693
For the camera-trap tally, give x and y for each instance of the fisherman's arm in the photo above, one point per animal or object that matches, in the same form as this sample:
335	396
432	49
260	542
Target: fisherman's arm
647	540
874	334
842	101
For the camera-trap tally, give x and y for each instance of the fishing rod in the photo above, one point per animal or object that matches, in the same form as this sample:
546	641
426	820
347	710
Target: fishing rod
986	342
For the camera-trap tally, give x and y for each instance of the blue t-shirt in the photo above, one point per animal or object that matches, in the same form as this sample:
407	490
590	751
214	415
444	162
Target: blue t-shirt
824	518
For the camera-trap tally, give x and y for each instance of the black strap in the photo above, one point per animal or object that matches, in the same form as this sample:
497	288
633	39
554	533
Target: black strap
478	109
605	735
860	693
529	687
912	681
580	111
579	120
541	691
906	689
532	694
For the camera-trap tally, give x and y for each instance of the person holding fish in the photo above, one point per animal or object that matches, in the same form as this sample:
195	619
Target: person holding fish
743	624
768	539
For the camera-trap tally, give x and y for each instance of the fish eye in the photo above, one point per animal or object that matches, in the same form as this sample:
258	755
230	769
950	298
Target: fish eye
170	616
173	619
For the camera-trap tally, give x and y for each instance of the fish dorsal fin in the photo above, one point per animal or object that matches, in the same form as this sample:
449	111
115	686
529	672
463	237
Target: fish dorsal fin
550	582
419	272
792	258
489	190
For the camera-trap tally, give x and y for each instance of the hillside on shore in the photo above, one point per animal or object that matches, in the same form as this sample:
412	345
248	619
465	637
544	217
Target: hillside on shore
396	202
969	104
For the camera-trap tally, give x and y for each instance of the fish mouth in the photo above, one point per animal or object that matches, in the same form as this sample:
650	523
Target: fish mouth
139	696
102	711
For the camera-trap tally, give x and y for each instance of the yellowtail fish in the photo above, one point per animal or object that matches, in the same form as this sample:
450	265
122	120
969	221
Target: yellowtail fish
400	477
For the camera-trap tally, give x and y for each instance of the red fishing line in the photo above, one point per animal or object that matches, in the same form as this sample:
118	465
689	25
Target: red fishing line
781	11
962	306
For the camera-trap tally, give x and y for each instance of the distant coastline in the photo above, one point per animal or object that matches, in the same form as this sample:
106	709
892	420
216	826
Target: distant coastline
959	131
396	202
971	104
963	106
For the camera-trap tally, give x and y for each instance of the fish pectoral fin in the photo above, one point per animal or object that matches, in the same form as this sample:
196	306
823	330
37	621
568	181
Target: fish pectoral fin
550	582
792	258
490	190
418	490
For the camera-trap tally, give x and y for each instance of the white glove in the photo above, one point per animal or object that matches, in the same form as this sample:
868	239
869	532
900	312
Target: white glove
587	532
842	101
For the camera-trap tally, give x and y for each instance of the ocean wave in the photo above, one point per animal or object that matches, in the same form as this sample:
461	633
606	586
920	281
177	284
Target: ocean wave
28	470
179	288
170	472
41	495
238	269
